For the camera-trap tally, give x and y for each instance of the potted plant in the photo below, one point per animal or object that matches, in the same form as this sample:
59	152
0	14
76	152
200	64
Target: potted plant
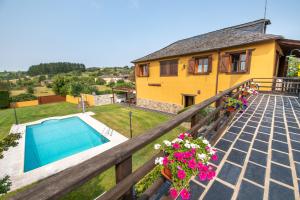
183	158
232	105
254	85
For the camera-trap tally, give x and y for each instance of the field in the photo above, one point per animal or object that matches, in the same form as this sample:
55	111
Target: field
38	91
115	116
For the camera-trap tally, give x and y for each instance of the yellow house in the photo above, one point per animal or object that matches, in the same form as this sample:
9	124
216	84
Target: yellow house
193	69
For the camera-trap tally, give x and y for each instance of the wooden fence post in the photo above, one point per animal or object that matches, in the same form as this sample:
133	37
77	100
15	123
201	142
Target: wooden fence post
123	170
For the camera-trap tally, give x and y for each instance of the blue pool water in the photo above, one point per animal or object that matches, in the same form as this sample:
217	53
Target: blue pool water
53	140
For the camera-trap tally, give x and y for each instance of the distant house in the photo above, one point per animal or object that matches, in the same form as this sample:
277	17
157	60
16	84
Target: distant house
191	70
115	78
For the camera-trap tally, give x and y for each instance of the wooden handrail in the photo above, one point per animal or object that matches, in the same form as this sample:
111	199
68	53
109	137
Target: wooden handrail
63	182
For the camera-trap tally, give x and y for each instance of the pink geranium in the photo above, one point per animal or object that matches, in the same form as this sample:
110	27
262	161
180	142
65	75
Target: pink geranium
211	175
185	195
192	164
176	146
202	175
181	136
165	161
181	174
173	193
178	156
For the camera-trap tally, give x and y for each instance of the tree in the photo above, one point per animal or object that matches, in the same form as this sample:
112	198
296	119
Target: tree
30	89
55	68
293	66
60	85
100	81
75	89
42	78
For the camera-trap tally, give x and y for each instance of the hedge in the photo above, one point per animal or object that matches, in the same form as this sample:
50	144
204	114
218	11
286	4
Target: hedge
4	99
23	97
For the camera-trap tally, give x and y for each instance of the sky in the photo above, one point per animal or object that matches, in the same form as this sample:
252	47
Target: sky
101	33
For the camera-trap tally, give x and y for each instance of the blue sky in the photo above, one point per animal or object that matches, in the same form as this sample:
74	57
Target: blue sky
114	32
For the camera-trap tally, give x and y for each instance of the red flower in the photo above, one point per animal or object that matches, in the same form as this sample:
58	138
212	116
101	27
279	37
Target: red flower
181	136
202	176
178	156
185	195
181	174
176	146
211	175
173	193
165	161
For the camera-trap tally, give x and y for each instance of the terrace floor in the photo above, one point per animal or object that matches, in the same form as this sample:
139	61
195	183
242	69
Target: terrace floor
259	154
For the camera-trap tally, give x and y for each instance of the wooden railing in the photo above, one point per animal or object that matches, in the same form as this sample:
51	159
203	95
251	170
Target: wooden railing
281	85
121	156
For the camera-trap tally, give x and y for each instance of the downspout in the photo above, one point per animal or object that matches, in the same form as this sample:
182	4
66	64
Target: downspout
217	77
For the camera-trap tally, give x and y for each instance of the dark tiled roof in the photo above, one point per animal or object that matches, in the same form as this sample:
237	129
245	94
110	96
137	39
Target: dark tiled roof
250	32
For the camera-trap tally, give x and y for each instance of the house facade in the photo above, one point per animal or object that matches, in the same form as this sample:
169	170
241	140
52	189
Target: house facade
194	69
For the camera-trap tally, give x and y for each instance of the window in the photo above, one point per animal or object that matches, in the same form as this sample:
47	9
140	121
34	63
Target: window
202	65
238	62
143	70
169	68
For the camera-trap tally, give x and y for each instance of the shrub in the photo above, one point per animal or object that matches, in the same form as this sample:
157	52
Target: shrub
23	97
5	184
4	99
30	89
147	181
103	92
100	81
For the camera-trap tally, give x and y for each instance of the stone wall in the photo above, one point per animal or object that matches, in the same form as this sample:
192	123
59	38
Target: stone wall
103	99
161	106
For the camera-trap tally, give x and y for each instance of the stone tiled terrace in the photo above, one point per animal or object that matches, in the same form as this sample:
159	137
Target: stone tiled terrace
259	154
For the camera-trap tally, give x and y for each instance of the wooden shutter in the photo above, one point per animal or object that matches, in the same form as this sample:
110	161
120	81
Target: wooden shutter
225	63
209	70
137	70
191	67
248	59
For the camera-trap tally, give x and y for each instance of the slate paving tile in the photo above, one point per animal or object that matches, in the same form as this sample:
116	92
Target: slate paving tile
280	146
243	119
296	156
278	192
258	157
237	157
295	145
295	137
291	119
219	191
282	174
279	137
244	146
292	124
278	119
263	137
255	173
267	120
246	136
264	129
223	145
279	124
220	155
234	129
229	173
230	136
249	191
294	130
255	119
279	130
249	129
239	124
280	158
251	123
267	124
260	145
297	166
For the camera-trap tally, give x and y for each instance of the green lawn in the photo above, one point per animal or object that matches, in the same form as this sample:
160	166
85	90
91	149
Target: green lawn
115	116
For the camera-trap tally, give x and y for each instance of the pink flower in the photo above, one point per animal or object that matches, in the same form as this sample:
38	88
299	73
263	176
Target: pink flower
173	193
214	157
181	136
193	151
181	174
185	195
211	175
176	146
192	164
165	161
187	154
202	176
178	156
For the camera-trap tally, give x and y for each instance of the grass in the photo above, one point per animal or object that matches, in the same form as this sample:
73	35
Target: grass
38	91
102	87
115	116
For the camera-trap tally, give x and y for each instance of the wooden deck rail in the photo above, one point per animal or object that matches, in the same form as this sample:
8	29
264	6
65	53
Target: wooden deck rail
121	156
282	85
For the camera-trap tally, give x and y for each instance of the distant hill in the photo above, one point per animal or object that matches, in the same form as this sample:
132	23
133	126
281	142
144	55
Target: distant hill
54	68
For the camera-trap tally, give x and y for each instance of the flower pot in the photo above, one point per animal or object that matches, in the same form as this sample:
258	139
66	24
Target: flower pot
245	93
230	109
166	172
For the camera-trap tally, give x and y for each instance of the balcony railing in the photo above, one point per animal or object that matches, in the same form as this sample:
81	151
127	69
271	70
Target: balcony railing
121	155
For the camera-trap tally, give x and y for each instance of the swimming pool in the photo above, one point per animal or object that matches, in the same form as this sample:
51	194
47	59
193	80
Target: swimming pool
56	139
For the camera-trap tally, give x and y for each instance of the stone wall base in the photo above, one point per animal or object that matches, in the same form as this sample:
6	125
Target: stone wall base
160	106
